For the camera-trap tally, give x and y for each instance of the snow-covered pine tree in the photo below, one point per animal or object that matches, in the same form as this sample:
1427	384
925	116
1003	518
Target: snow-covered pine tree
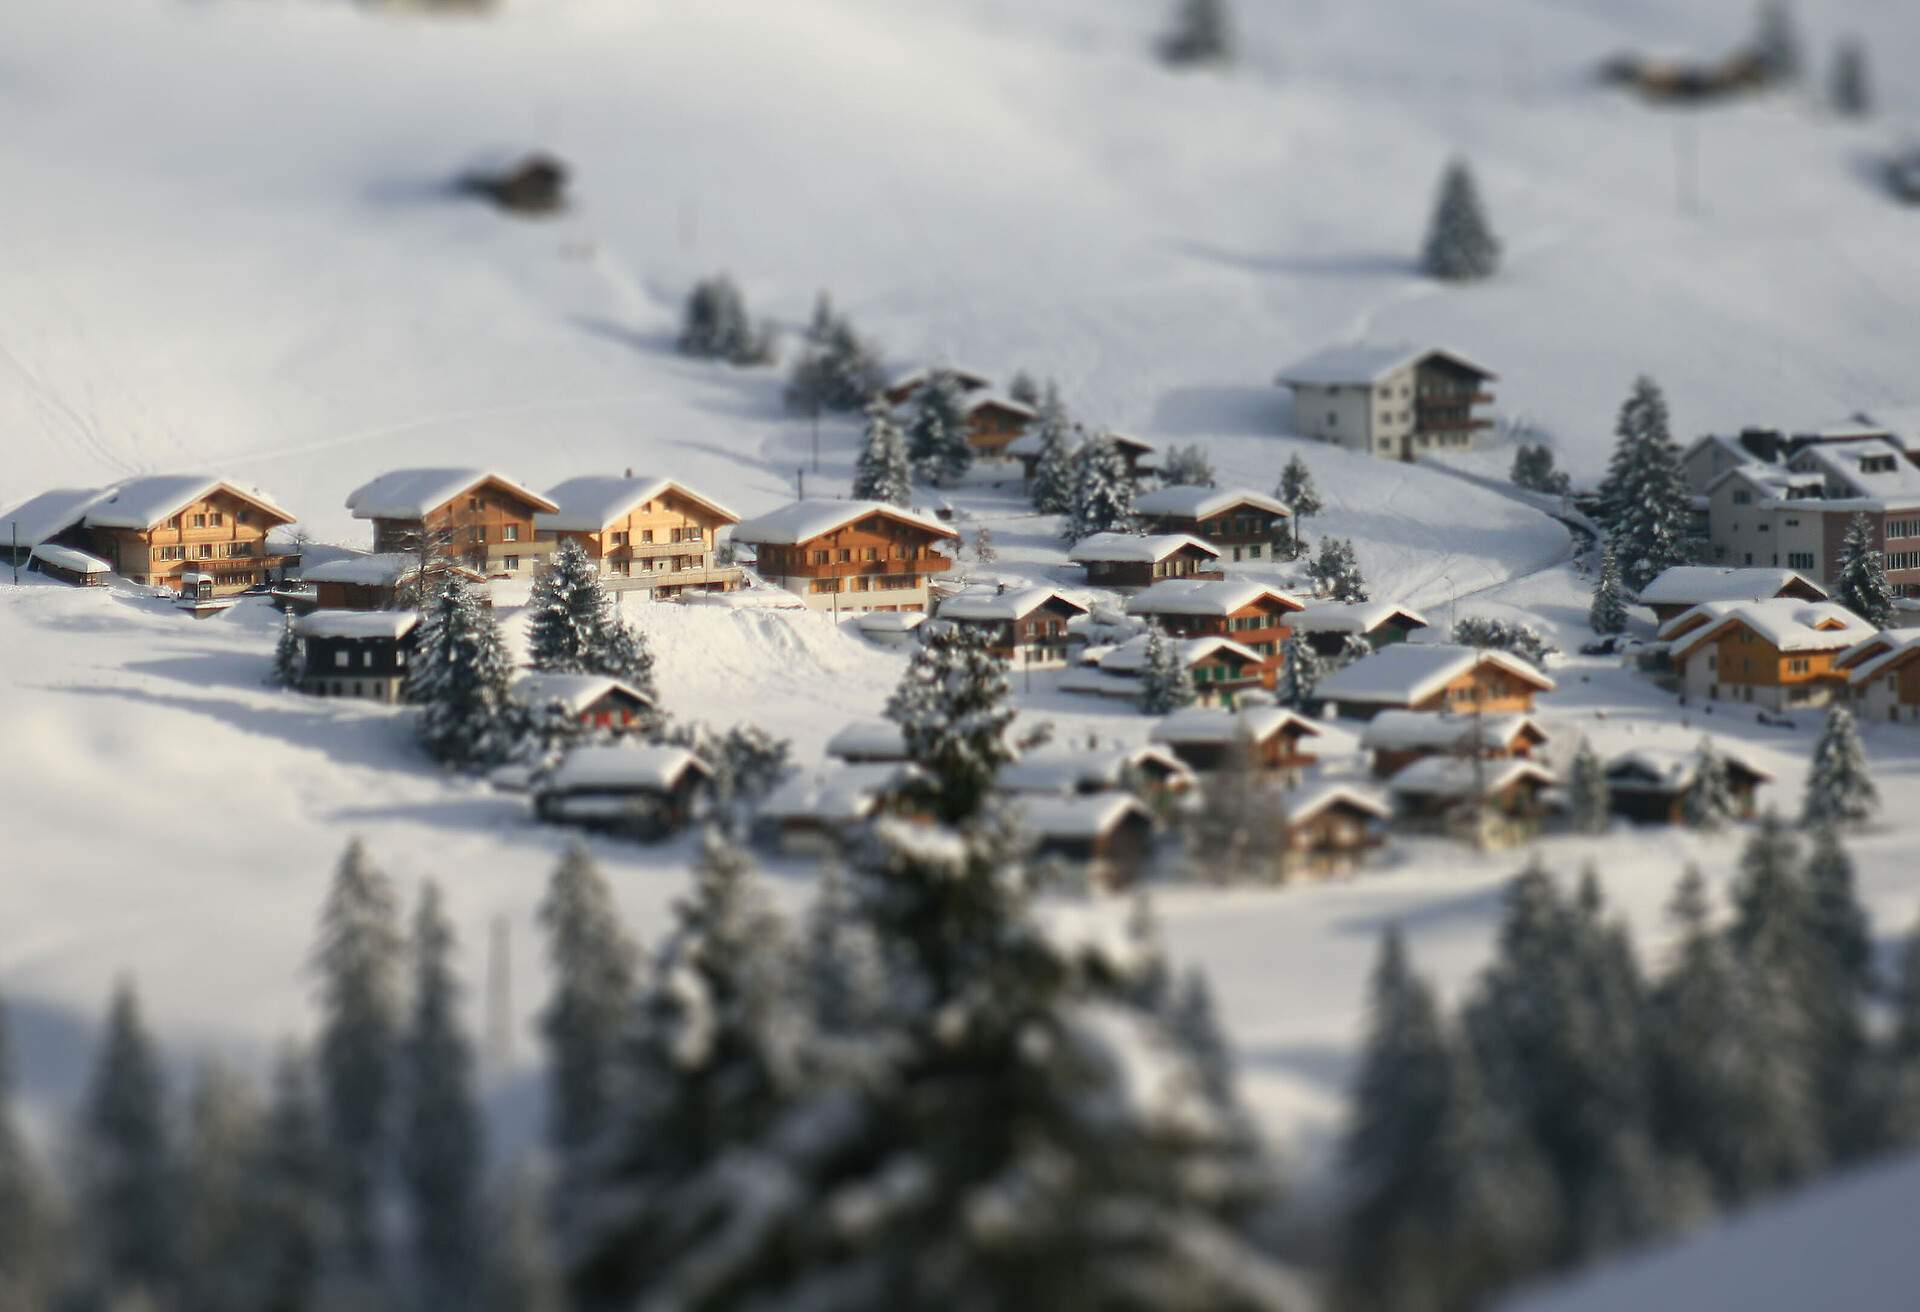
1841	931
1202	33
1645	499
1300	673
567	613
820	323
1776	42
1102	492
1296	489
938	431
883	472
1446	1204
1166	684
1719	1096
1533	469
1840	788
220	1269
627	656
288	654
716	325
1588	793
1852	91
1898	1120
951	706
521	1274
594	965
1709	804
984	552
1051	489
1237	833
838	372
359	958
1336	571
1460	245
442	1143
128	1178
1608	611
1186	466
293	1222
1515	636
1024	388
1863	587
460	677
27	1233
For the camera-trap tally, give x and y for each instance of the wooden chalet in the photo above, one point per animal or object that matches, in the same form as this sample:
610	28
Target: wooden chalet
1141	456
905	387
1434	677
1652	785
478	517
380	581
1435	790
1399	738
646	793
1252	614
849	556
868	742
595	701
1208	740
356	653
1150	771
1107	836
1242	523
1027	627
1883	675
1331	829
1221	669
1331	627
817	814
68	565
193	534
1679	589
1779	654
649	535
995	422
1127	561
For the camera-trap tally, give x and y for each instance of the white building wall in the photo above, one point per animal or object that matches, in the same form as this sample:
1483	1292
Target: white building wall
852	603
1762	533
1392	401
1340	415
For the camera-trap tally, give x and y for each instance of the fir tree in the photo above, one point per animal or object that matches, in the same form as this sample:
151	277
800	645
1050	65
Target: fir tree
521	1274
883	472
128	1179
1299	676
288	655
1852	89
1608	612
1186	466
1533	469
1336	571
1645	498
292	1224
984	551
1844	987
1202	33
1521	639
220	1267
716	325
821	323
1296	489
1898	1123
839	371
1588	793
1460	245
1776	42
594	965
1237	833
1840	789
626	656
1863	587
1102	491
1024	388
1709	804
441	1142
939	435
1166	683
26	1230
567	613
951	706
1051	489
359	960
460	676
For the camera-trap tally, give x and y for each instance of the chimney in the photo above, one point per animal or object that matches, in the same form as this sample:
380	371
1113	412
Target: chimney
999	589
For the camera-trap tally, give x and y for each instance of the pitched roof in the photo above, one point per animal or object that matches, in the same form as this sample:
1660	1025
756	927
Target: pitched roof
47	515
1898	646
1130	657
1784	623
576	692
995	604
1669	769
1128	442
1353	363
600	765
1352	616
1199	725
967	378
1693	584
1411	672
1898	483
592	501
803	521
382	569
875	739
141	503
1077	815
1415	730
390	624
1134	548
1309	802
416	493
1063	769
1454	776
1730	446
69	558
841	794
1188	502
1217	597
982	400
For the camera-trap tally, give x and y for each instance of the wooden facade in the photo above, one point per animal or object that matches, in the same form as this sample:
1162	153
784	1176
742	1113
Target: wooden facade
664	543
1737	663
993	424
221	535
1260	623
1188	561
1037	635
1243	530
880	560
1332	834
488	526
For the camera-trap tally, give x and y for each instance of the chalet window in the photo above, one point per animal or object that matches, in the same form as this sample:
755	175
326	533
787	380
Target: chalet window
821	557
620	538
473	503
216	519
824	585
1742	497
199	521
174	522
646	535
510	562
695	533
1333	418
871	553
400	658
243	517
858	583
513	532
341	660
1254	551
366	659
844	556
476	533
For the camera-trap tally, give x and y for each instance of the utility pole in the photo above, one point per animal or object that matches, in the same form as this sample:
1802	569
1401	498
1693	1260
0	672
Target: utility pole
14	554
800	477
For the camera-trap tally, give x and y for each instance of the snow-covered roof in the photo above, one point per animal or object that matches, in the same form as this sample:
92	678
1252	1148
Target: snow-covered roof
1027	444
1352	617
1077	816
842	794
415	493
994	604
1411	672
981	400
590	502
1188	502
1784	623
1208	725
803	521
891	621
600	765
1692	584
1897	481
1401	731
38	518
1310	802
1669	769
1454	776
1130	657
384	569
140	503
1062	769
1900	422
1727	445
390	624
576	692
1205	597
1774	482
967	378
1099	682
1357	363
1134	548
872	739
70	558
1898	645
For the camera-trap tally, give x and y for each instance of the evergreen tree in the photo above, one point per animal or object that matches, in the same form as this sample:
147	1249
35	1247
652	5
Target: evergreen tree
1299	676
460	676
1840	789
1202	33
292	1222
1296	489
883	472
716	325
567	613
1852	89
820	324
1776	42
359	959
1588	793
1521	639
1838	1000
951	706
26	1229
521	1274
983	549
1024	388
1863	587
128	1178
1709	804
626	656
288	655
939	435
1051	489
1336	571
1460	245
1645	498
1533	469
585	1021
1186	466
1608	613
221	1269
1102	492
1237	833
838	372
1166	683
1898	1122
442	1141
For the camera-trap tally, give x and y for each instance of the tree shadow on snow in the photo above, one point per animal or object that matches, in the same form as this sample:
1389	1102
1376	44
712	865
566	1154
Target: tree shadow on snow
1356	264
1223	410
